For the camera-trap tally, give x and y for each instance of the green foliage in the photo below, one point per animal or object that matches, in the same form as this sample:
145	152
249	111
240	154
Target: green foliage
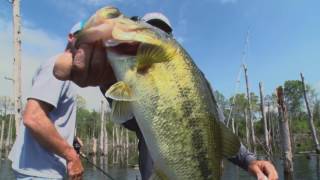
293	94
6	105
89	123
221	100
81	102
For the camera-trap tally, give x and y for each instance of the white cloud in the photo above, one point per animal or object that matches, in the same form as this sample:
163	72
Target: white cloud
37	46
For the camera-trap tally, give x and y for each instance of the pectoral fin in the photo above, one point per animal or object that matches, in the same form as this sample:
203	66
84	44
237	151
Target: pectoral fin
230	142
121	111
149	54
122	95
120	91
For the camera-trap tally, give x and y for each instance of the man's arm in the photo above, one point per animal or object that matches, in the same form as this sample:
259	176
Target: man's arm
36	119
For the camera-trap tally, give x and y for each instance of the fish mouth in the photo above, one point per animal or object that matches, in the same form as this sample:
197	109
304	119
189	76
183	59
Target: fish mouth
124	48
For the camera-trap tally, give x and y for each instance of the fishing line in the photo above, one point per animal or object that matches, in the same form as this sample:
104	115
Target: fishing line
100	169
243	59
77	146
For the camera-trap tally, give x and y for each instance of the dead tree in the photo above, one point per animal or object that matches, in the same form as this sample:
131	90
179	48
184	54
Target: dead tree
272	132
113	137
93	138
232	125
17	62
285	135
94	146
9	133
2	134
102	145
264	119
127	139
121	138
106	141
252	133
310	117
247	129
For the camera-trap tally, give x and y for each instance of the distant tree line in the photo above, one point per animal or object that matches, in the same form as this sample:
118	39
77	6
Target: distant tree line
298	117
88	126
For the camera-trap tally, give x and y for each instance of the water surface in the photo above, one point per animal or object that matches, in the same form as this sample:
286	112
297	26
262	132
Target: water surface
305	168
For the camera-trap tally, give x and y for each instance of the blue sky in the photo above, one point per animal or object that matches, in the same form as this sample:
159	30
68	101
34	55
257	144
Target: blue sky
284	36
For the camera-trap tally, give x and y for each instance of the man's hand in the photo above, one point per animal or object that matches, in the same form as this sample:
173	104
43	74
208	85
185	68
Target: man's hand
263	170
74	165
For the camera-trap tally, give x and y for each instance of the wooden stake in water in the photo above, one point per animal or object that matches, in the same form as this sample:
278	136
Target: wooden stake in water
285	135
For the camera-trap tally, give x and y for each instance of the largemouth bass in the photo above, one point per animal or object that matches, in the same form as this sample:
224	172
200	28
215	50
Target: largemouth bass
170	98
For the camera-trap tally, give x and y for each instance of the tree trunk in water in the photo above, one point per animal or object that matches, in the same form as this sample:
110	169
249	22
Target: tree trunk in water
247	130
252	133
3	124
94	139
117	136
102	148
17	63
105	140
271	129
121	138
135	141
94	146
232	123
9	133
285	135
113	137
310	118
264	119
2	134
127	139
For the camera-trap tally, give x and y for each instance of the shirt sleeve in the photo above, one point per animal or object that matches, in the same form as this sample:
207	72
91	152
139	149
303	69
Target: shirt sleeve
243	158
45	87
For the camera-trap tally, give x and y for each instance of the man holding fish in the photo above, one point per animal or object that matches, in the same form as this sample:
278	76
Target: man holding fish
150	77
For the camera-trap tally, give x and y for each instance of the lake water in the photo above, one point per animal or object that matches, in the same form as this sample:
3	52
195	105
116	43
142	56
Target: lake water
305	167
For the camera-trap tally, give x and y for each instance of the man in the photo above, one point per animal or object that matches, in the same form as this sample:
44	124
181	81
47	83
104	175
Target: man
44	146
81	71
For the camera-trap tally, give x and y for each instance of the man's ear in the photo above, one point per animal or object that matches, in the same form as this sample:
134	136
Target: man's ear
70	38
71	43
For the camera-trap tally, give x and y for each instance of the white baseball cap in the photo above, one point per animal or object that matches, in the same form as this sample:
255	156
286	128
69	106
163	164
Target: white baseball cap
159	20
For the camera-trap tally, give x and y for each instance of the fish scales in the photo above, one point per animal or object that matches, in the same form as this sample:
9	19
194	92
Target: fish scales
172	103
170	117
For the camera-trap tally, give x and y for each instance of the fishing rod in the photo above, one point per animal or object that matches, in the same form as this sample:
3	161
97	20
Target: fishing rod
77	146
100	169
